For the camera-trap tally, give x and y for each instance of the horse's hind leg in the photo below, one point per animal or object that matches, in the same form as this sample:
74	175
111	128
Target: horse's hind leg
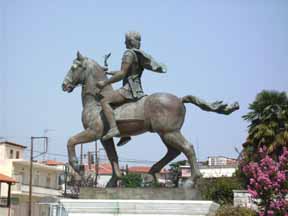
109	147
82	137
171	154
176	140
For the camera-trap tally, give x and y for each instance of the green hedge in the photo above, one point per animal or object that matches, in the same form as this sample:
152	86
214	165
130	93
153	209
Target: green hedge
220	190
132	180
228	210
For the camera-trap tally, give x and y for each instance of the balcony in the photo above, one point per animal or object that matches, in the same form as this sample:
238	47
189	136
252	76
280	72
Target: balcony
36	190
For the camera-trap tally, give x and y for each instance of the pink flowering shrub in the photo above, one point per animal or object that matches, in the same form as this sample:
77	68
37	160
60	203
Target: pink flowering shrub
268	182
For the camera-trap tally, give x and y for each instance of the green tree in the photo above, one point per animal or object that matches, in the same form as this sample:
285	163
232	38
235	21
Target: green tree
268	124
132	180
268	132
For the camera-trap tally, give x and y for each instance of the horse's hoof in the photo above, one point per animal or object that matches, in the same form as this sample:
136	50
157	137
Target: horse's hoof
112	182
189	184
192	181
80	169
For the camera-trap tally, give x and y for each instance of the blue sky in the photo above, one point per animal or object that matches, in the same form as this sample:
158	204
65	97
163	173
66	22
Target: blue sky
216	50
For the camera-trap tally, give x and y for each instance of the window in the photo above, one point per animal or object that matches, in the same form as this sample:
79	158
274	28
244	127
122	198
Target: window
48	181
23	179
36	178
61	179
17	154
11	154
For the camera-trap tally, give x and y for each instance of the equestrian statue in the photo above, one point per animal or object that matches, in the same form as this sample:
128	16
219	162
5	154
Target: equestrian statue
127	112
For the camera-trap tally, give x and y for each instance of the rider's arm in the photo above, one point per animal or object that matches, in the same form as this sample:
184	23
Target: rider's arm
125	66
118	75
160	70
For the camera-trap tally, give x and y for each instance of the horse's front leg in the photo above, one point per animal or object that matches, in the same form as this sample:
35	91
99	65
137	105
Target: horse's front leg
111	153
83	137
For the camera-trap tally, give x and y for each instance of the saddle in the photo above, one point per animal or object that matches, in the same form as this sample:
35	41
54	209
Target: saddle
131	111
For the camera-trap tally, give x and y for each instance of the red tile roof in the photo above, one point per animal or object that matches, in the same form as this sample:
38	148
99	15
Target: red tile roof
6	179
104	169
52	163
139	169
14	144
143	169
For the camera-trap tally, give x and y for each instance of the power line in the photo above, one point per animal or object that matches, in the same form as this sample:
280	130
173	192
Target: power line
102	157
53	154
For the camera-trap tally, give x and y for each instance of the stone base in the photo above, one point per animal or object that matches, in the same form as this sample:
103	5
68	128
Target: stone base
88	207
140	193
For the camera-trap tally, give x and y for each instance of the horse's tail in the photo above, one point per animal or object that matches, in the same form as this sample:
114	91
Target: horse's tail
216	106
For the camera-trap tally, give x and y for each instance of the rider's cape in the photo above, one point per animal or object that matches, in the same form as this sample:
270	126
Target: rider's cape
149	63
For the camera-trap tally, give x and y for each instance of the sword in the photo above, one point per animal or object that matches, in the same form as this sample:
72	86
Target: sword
106	57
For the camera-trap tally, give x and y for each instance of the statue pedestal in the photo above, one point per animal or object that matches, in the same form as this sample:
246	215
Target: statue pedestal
139	193
136	201
90	207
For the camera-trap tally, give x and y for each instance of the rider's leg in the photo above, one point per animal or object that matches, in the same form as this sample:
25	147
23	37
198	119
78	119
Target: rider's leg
113	98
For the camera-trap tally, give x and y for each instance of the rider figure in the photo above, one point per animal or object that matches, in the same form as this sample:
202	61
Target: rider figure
134	61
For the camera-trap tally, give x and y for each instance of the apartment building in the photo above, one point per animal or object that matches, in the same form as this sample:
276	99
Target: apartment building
45	178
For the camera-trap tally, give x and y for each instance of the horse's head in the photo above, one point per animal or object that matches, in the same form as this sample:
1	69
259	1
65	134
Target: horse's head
76	74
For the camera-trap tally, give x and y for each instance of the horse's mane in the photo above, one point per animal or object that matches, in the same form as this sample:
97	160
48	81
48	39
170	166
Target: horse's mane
100	73
99	67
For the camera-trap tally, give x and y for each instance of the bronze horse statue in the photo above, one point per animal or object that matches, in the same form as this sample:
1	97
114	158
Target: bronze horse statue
160	113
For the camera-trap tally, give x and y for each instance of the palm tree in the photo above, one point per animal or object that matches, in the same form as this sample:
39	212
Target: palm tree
268	123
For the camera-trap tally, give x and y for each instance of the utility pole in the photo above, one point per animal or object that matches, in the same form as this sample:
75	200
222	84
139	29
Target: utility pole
66	171
96	165
89	160
31	168
30	179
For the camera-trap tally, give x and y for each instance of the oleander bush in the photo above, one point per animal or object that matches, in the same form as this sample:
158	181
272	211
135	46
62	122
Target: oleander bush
268	183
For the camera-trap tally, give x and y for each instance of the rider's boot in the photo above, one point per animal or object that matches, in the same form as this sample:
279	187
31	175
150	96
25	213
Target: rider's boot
123	141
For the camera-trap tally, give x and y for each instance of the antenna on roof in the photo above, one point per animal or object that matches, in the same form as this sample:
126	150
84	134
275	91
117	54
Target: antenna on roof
45	154
238	152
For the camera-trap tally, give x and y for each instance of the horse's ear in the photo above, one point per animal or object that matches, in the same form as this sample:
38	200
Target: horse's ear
79	56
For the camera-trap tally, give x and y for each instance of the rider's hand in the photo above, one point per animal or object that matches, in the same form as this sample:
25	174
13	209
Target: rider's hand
101	84
109	73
